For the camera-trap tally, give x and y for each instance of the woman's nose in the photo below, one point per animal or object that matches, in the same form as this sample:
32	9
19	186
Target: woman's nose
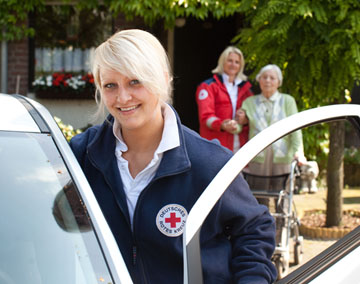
123	95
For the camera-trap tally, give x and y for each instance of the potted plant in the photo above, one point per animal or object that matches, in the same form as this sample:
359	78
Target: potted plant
64	85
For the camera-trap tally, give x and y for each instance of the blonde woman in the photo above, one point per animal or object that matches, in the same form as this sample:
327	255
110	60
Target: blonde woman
147	170
219	97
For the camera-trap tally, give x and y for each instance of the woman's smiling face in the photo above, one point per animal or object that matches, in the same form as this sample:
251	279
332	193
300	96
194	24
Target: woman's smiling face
131	104
232	64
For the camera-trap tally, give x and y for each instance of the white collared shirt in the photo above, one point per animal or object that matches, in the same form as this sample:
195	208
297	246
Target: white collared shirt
134	186
233	89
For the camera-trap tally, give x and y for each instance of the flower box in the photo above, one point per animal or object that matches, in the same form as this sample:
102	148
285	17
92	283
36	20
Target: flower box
65	86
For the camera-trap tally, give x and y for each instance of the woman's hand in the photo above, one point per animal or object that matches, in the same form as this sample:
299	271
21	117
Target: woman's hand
301	159
240	117
231	126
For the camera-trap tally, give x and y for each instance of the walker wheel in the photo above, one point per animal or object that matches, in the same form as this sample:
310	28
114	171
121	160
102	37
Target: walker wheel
281	267
298	253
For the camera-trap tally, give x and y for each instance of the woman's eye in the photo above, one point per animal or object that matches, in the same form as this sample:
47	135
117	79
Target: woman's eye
134	82
109	85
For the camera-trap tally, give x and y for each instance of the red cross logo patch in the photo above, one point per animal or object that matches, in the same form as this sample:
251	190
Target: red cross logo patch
203	94
171	220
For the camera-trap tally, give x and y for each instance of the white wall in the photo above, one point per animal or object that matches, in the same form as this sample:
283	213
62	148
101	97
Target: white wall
78	113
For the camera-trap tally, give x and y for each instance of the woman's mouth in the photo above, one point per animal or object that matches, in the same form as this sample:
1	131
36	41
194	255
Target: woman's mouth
125	109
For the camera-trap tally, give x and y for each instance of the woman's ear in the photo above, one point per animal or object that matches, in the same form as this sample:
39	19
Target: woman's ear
166	74
97	95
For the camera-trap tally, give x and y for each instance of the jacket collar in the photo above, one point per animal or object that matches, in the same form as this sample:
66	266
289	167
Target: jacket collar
175	160
274	97
219	79
102	153
225	80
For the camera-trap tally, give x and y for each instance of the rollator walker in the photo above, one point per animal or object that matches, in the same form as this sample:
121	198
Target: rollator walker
277	193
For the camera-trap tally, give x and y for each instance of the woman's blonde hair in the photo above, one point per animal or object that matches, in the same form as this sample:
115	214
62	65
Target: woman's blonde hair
136	54
224	55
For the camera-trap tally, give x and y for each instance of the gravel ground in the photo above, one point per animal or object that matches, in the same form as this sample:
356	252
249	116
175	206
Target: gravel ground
306	201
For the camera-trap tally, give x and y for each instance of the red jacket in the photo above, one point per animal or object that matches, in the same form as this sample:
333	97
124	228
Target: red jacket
214	106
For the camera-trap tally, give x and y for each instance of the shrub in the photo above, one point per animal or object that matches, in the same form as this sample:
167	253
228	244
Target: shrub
352	155
67	129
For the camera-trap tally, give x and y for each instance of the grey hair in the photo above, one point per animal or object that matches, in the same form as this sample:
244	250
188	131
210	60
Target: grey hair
224	55
271	67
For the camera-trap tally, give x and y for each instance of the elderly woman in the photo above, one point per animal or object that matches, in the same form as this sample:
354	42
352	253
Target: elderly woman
147	170
219	97
259	112
262	110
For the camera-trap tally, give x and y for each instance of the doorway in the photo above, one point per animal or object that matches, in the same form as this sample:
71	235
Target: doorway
197	47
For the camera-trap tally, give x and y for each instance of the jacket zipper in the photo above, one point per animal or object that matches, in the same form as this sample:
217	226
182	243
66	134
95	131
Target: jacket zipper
134	248
134	256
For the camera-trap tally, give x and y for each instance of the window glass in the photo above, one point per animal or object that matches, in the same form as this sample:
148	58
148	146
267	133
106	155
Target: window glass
46	233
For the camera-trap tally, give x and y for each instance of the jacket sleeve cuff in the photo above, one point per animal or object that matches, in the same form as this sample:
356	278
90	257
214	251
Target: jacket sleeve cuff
214	123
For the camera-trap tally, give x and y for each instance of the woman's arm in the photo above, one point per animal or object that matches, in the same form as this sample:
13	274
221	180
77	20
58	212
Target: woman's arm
251	231
296	140
205	99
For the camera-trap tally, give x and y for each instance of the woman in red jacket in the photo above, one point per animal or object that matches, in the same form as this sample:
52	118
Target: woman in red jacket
219	97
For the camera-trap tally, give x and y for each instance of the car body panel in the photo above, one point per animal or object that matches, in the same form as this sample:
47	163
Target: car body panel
345	265
15	117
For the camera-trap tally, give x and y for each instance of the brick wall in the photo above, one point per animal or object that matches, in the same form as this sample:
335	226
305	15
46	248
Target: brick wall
18	62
